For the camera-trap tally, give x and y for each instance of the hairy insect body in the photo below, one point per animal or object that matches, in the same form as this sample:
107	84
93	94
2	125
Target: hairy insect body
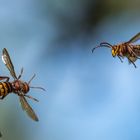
15	86
19	85
126	49
121	50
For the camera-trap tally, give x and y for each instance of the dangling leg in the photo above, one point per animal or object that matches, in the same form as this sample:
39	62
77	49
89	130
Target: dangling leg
132	62
31	98
22	94
1	98
4	77
120	59
39	88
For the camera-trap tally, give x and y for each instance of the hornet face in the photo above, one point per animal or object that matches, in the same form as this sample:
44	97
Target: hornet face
114	51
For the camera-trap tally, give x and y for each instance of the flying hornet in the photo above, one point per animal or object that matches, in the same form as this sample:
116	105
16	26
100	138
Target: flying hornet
126	49
17	86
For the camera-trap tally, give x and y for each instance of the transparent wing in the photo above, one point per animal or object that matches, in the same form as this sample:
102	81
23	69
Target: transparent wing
7	61
135	38
136	49
27	108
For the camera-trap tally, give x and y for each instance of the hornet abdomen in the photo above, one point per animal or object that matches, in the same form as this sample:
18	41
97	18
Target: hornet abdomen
5	88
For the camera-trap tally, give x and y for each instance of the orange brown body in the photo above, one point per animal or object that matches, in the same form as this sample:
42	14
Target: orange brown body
15	87
5	88
126	49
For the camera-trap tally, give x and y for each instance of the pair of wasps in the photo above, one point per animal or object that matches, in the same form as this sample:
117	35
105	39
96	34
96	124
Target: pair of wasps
126	49
17	86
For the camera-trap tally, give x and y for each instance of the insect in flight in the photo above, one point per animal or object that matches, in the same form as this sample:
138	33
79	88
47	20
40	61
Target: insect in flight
17	86
126	49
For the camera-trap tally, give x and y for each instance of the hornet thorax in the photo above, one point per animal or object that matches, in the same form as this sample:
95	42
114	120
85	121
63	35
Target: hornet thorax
120	50
19	85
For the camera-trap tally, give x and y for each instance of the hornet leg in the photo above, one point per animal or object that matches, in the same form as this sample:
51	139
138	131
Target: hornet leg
4	77
120	59
1	98
132	63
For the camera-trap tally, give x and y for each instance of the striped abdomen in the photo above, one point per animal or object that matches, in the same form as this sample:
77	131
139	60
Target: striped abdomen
5	88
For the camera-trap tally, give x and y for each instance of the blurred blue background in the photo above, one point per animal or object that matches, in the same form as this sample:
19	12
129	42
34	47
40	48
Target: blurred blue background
89	96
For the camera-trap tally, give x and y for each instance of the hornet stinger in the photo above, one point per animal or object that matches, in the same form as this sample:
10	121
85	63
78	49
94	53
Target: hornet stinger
17	86
126	49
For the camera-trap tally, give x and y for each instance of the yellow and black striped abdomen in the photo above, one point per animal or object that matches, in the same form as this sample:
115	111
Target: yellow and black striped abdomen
5	88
